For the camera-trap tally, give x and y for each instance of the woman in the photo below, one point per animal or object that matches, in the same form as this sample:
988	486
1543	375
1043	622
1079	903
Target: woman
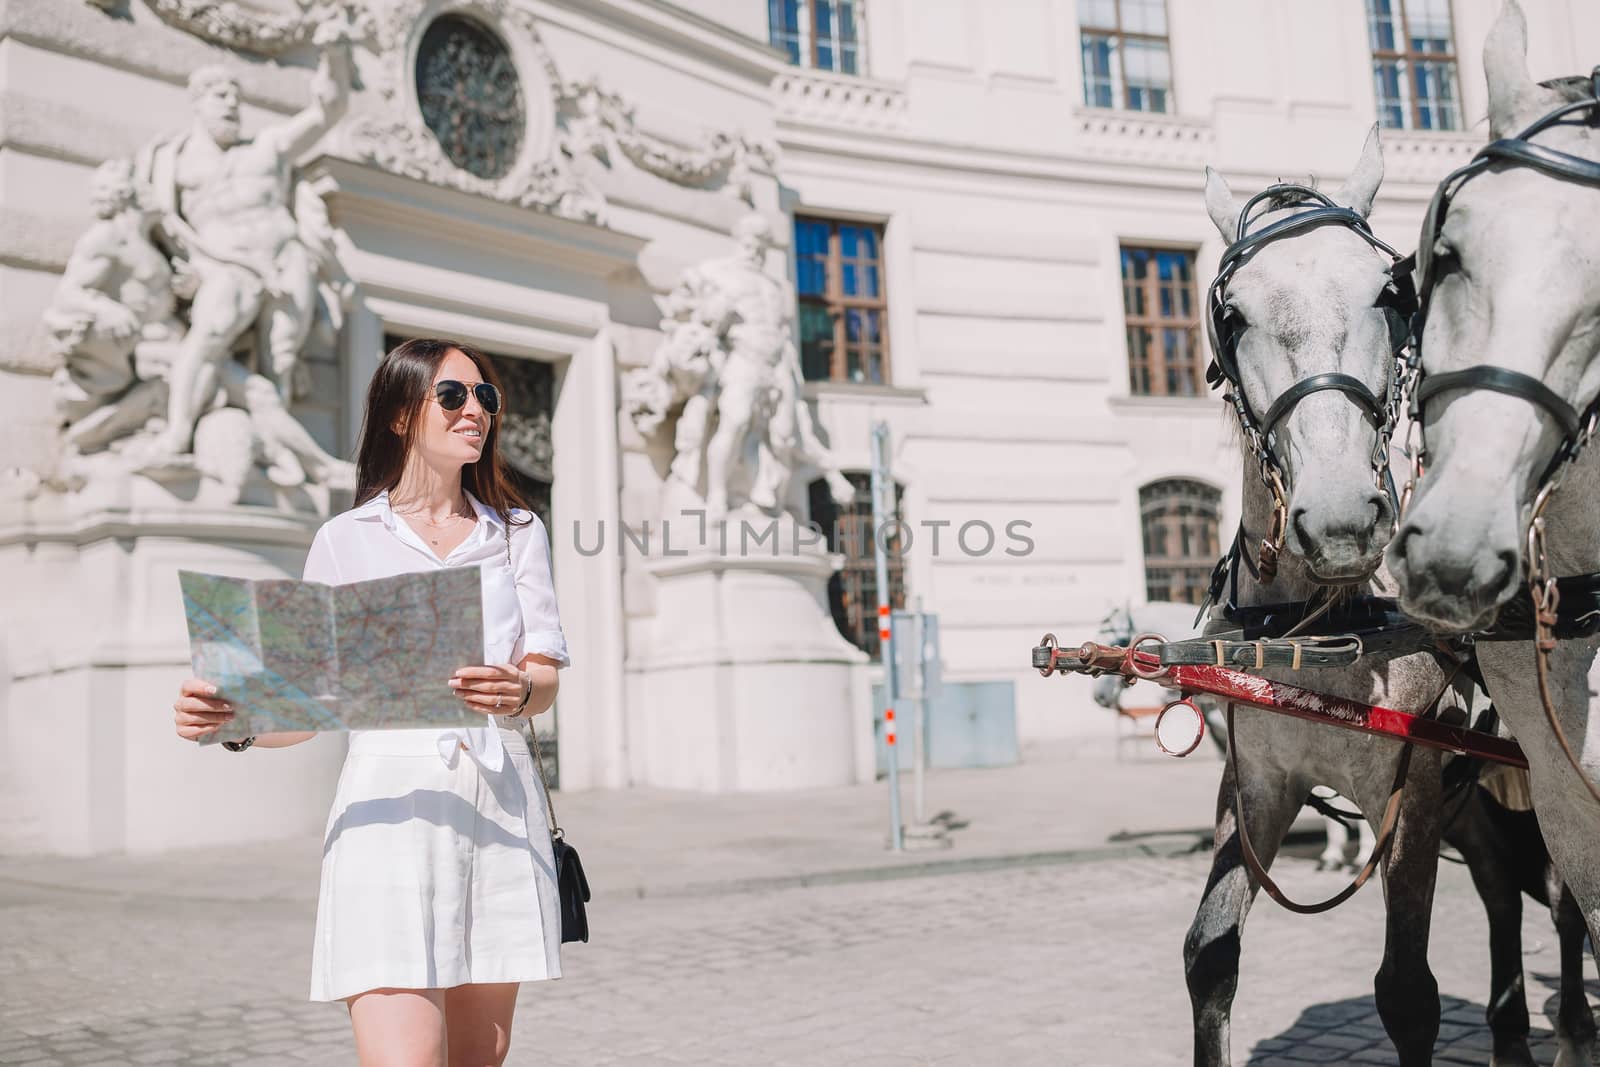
438	884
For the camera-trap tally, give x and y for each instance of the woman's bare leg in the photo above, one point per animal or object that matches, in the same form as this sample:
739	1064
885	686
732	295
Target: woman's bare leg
479	1020
399	1027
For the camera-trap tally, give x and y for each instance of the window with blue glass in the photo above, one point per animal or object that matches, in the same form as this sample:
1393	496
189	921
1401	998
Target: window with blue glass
844	312
1161	310
1414	64
821	34
1127	60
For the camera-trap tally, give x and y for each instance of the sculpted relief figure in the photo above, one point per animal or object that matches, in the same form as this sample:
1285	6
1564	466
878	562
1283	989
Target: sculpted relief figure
112	322
229	202
223	223
729	370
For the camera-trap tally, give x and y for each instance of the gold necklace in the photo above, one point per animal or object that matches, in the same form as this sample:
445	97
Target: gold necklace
439	524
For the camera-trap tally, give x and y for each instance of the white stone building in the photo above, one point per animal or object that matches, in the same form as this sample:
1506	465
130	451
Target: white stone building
964	193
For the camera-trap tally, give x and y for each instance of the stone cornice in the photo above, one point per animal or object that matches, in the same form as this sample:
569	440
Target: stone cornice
827	99
425	209
831	392
53	518
1139	137
1423	156
964	162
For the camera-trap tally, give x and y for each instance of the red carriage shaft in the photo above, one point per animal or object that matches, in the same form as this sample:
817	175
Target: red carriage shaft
1336	711
1264	693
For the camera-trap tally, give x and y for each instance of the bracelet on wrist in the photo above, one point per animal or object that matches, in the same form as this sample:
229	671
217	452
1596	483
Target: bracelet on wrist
527	694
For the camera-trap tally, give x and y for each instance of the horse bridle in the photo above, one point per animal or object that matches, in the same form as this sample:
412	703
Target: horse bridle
1576	428
1397	301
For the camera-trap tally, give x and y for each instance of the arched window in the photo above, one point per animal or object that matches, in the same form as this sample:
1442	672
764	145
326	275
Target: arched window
853	590
1179	520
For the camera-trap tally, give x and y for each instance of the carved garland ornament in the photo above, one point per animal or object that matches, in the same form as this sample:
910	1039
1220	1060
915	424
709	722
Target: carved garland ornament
406	147
250	29
602	119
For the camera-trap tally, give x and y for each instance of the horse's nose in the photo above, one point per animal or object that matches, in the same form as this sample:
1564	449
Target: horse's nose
1446	581
1356	523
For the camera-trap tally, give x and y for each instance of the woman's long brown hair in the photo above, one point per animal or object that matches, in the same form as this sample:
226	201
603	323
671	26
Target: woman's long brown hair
402	384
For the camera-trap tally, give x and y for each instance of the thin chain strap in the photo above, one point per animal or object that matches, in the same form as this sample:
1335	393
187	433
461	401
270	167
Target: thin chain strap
549	804
533	739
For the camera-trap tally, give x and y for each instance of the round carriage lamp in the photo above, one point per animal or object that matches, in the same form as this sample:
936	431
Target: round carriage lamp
1179	728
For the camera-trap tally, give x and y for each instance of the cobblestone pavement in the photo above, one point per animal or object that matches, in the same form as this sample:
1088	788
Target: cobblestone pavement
1062	963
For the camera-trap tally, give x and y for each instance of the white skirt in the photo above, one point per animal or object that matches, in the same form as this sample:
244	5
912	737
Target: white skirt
434	873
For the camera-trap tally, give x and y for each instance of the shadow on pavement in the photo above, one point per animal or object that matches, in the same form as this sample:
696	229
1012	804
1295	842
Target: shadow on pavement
1349	1031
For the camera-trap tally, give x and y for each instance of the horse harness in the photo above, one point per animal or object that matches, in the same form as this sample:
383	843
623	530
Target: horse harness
1226	327
1576	427
1562	609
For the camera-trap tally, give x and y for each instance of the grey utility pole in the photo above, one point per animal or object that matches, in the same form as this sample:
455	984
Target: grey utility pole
883	511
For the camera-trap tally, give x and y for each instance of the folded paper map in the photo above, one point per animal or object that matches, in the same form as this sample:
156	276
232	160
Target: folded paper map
364	656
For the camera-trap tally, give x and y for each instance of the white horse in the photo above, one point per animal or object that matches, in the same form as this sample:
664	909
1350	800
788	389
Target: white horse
1515	269
1301	306
1176	623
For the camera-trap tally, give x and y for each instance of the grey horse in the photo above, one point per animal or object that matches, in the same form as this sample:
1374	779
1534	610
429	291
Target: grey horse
1516	270
1305	305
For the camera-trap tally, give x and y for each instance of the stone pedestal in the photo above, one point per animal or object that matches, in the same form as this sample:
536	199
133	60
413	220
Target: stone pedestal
92	648
746	684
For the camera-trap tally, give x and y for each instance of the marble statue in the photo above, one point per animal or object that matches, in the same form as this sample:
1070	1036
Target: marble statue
222	223
113	322
229	201
729	371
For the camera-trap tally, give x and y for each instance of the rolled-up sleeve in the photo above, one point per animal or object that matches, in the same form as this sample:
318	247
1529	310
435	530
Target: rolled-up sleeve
320	563
536	593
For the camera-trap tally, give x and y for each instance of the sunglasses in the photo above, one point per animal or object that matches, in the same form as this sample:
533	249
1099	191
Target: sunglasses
452	395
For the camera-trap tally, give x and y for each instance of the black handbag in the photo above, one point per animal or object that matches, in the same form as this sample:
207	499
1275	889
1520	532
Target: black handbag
571	882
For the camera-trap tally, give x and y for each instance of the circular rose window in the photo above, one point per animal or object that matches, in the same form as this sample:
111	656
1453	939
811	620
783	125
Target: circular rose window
470	95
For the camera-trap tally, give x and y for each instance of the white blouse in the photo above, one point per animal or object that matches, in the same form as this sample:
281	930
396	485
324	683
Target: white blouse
519	599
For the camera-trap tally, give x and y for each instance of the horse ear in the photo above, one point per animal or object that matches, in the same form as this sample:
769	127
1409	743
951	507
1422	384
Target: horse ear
1222	206
1358	192
1513	96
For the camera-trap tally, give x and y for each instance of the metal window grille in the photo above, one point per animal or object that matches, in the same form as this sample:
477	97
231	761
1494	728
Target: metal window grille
844	310
1414	77
1179	521
853	590
1127	54
1161	310
470	95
